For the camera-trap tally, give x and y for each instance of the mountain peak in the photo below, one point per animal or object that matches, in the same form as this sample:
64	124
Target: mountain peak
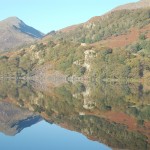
12	20
14	32
145	0
134	5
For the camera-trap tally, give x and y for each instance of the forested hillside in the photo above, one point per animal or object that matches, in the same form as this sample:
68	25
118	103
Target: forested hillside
112	24
88	50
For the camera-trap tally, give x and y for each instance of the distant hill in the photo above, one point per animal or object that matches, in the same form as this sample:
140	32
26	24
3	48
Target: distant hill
14	33
14	119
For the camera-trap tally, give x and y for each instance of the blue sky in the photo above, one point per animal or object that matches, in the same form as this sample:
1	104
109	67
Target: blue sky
47	15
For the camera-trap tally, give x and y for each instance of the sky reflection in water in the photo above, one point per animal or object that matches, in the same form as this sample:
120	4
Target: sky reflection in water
48	137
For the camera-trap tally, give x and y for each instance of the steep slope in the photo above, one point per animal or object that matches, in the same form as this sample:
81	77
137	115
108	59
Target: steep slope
15	33
131	6
116	22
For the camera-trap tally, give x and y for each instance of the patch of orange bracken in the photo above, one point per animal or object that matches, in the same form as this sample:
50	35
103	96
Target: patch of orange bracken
124	39
124	119
146	30
130	122
121	40
146	130
120	117
68	29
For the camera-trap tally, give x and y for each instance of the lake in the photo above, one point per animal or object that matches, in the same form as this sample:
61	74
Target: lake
74	116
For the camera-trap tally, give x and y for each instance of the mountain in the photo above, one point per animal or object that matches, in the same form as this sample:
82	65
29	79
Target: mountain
113	46
14	33
14	119
116	22
131	6
136	5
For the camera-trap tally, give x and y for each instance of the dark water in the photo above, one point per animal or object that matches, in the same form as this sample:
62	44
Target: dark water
91	116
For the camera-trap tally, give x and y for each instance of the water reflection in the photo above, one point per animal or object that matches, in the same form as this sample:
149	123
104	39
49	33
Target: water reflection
48	137
13	119
117	115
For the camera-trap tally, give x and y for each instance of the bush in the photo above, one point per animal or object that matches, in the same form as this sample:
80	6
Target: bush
142	37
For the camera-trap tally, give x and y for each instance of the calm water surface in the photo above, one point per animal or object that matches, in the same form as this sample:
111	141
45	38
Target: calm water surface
91	116
48	137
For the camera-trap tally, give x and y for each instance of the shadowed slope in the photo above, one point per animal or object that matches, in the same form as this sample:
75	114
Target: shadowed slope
15	32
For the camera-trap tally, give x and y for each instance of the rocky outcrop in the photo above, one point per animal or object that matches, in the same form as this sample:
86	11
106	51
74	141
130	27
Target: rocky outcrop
88	102
89	56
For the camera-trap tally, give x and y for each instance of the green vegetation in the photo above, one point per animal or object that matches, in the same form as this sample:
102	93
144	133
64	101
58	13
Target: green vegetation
131	62
68	55
142	47
126	63
113	24
72	104
60	55
64	105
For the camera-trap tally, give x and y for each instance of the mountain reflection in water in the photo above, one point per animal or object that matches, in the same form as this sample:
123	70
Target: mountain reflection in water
117	115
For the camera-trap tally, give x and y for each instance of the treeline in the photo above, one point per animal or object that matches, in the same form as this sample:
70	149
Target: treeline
131	62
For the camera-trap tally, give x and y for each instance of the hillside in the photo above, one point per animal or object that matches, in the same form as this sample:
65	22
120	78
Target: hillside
136	5
142	4
15	33
100	28
114	46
